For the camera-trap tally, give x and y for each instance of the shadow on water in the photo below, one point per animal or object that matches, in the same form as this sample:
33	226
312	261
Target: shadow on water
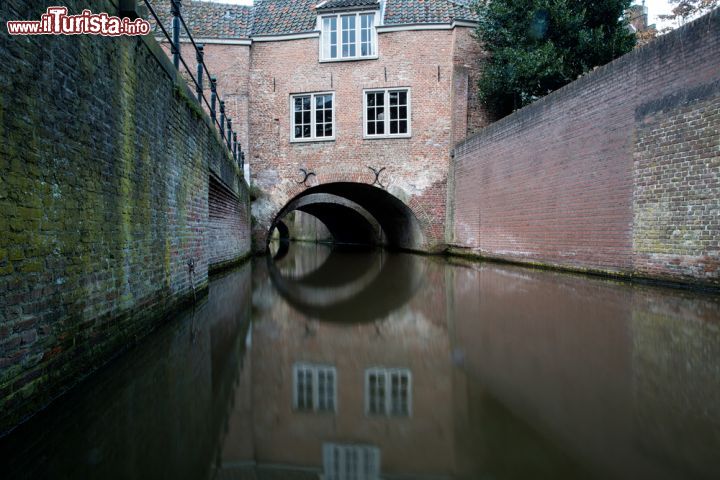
335	364
159	411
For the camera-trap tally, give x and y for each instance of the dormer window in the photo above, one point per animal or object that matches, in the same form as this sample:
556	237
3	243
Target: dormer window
348	36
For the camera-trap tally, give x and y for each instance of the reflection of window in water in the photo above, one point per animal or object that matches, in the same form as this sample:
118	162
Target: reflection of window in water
351	462
314	387
388	391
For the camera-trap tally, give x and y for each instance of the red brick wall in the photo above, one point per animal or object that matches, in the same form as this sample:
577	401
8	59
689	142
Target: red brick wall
231	64
416	168
605	172
228	232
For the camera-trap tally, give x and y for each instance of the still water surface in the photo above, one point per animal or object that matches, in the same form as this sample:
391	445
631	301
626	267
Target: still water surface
366	365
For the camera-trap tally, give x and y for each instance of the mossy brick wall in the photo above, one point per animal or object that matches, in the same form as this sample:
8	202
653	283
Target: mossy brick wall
616	172
104	170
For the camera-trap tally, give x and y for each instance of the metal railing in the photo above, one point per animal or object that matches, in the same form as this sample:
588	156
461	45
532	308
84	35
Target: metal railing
222	122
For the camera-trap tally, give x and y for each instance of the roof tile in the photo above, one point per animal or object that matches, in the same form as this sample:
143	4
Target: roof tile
283	17
207	19
338	4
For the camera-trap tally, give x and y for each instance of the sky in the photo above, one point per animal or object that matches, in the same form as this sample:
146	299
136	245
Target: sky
655	8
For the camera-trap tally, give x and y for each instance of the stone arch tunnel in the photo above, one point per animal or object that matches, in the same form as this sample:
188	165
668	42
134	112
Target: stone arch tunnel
355	213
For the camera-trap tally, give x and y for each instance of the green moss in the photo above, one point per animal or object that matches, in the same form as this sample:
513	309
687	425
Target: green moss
191	103
32	266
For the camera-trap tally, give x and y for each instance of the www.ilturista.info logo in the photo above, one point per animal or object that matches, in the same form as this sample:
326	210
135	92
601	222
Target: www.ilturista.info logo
57	22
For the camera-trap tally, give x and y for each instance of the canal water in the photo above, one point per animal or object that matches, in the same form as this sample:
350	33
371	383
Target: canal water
334	364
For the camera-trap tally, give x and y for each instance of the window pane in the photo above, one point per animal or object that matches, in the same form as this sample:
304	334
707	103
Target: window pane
329	32
376	394
403	113
348	35
304	389
375	114
393	128
403	127
301	118
323	390
366	35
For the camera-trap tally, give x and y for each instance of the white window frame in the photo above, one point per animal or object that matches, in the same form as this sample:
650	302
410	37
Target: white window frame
387	133
388	393
358	36
337	467
315	369
313	137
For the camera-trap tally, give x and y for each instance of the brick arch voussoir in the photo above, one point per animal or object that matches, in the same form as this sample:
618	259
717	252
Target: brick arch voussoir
323	177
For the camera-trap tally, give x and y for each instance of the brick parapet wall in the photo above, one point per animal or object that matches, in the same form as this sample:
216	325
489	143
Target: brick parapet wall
104	166
615	172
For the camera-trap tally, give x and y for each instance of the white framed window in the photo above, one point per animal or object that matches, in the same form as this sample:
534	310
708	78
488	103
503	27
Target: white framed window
388	392
314	388
350	36
351	462
312	117
386	113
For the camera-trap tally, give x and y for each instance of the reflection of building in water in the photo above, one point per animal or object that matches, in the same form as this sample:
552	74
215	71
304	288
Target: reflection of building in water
676	380
388	391
314	388
345	400
350	462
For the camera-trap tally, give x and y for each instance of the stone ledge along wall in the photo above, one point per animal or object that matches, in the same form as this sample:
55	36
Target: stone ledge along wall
105	167
617	172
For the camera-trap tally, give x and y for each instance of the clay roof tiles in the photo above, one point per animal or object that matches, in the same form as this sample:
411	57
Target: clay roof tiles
207	19
336	4
399	12
278	17
284	17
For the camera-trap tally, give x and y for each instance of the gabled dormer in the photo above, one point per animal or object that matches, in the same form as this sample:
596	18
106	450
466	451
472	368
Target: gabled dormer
348	29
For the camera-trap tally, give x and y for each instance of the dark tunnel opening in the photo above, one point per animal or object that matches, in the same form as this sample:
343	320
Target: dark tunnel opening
358	214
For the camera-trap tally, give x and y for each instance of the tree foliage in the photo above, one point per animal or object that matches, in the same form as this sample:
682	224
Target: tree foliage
686	10
537	46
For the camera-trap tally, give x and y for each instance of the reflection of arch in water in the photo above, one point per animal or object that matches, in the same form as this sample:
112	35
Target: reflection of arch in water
295	266
284	240
358	213
352	286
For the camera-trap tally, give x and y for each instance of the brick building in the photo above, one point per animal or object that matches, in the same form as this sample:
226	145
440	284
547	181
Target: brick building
340	88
